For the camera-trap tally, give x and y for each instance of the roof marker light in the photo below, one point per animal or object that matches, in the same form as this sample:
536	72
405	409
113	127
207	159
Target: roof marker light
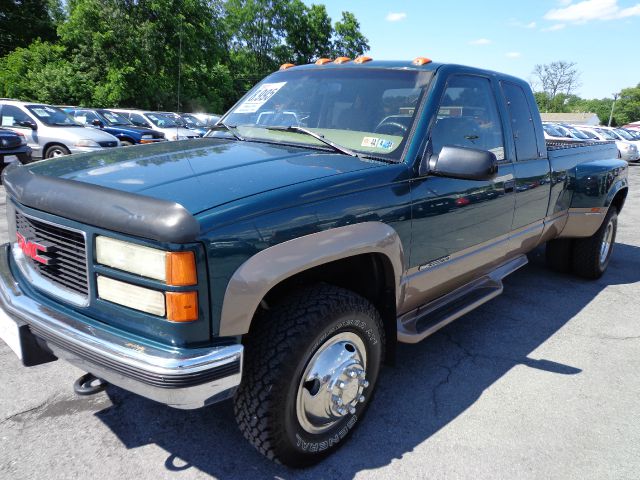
322	61
342	60
284	66
362	59
419	61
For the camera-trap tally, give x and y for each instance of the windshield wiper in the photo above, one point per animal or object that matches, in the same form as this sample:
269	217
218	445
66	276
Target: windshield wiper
317	136
232	129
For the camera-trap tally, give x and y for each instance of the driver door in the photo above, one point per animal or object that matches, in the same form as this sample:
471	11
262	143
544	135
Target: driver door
460	228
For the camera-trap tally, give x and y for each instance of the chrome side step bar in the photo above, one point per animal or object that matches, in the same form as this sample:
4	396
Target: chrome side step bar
425	320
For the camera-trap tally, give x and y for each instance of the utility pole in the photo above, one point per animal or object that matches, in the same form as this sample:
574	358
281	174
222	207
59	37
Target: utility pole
615	97
179	63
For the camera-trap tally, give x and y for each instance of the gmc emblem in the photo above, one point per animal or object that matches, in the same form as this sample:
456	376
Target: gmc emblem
33	249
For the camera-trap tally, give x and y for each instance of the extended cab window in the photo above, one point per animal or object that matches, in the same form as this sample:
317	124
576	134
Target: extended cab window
468	117
521	122
14	117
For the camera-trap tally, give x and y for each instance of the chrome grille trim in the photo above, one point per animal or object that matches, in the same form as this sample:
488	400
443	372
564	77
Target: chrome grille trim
69	278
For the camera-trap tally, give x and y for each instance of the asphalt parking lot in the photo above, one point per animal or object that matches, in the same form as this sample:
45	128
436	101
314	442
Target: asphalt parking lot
541	382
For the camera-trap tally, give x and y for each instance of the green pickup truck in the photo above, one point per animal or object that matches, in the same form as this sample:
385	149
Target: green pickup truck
336	209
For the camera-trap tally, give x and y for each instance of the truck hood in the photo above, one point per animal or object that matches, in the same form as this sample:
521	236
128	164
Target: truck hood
200	174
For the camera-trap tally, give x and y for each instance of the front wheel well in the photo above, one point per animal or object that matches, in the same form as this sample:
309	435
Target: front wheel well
369	275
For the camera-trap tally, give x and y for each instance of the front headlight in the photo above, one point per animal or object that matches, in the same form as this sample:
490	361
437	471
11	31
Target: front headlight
132	296
23	139
85	142
147	137
173	268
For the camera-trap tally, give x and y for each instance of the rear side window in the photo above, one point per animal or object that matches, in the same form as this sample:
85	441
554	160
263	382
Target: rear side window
522	125
468	117
13	116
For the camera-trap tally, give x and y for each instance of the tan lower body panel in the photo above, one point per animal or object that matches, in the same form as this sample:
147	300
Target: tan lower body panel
583	222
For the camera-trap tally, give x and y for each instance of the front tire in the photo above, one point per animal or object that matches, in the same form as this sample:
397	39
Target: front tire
591	255
56	151
311	365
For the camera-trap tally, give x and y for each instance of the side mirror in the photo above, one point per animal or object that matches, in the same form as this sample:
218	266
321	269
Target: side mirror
97	123
463	163
29	124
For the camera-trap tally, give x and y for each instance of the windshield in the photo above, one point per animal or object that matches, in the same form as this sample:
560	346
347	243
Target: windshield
551	130
589	134
53	116
162	120
577	133
113	118
365	110
606	134
192	121
625	135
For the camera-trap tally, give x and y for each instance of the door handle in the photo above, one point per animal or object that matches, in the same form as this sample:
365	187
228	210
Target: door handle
509	186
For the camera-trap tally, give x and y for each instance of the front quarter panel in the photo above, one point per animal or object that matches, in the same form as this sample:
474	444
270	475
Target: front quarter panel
259	241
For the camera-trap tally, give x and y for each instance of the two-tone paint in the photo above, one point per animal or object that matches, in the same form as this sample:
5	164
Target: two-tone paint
265	214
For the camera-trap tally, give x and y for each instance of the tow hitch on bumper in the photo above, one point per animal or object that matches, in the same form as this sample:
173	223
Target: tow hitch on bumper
181	378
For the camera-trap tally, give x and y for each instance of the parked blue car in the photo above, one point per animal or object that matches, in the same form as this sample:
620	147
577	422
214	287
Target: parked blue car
117	125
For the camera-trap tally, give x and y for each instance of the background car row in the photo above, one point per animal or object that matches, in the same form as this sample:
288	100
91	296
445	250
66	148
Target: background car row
49	131
627	139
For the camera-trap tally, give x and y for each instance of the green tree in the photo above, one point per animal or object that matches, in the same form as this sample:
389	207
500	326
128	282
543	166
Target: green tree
308	32
154	47
22	21
41	73
348	40
627	107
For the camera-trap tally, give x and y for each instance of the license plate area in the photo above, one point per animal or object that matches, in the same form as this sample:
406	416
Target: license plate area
10	333
23	343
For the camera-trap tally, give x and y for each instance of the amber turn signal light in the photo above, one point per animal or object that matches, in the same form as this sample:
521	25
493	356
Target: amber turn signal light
284	66
342	60
421	61
181	269
322	61
362	59
182	306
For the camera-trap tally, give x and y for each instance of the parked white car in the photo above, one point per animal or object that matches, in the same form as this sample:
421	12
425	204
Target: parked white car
622	135
162	122
50	132
626	150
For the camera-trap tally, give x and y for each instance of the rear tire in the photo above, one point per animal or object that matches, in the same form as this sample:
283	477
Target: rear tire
558	254
591	255
307	363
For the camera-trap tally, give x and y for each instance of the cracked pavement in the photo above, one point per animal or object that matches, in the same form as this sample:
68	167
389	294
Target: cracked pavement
541	382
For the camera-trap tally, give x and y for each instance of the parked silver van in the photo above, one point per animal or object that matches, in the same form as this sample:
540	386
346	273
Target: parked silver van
51	132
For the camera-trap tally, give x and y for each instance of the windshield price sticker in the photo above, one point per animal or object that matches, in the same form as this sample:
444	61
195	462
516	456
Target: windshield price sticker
42	112
259	97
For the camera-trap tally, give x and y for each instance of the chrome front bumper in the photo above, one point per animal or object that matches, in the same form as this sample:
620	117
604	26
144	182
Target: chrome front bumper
186	379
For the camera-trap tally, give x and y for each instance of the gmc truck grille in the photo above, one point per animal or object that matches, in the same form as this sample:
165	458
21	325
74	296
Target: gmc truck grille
56	253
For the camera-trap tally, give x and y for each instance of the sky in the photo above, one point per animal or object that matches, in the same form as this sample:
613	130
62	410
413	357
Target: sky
601	36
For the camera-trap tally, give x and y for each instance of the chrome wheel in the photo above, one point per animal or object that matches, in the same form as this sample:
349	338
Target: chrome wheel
333	383
56	152
607	240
